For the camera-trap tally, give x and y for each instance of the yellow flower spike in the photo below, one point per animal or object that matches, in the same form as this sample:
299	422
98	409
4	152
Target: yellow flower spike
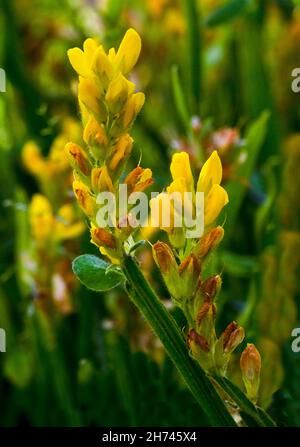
86	201
41	218
214	202
132	108
211	173
181	168
78	158
129	51
80	60
118	92
120	152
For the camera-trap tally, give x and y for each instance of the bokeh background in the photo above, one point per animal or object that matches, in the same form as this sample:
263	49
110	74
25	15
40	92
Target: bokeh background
217	75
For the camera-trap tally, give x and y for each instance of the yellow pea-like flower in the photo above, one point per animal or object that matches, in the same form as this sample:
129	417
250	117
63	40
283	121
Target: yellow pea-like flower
214	202
80	60
90	96
211	173
121	151
103	67
118	92
94	133
78	158
85	200
32	159
132	108
66	226
181	168
129	51
41	218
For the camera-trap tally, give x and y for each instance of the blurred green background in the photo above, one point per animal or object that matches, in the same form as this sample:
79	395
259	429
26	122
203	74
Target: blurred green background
217	75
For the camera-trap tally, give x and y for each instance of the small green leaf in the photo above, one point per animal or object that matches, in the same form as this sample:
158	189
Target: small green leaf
96	274
226	12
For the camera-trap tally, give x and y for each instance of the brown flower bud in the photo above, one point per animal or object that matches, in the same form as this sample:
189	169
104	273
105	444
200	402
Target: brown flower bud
189	271
103	238
211	287
167	264
208	242
138	179
199	340
250	363
78	158
232	337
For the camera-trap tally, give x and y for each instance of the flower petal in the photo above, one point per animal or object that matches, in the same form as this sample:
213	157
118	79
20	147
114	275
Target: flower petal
216	199
180	167
129	51
211	173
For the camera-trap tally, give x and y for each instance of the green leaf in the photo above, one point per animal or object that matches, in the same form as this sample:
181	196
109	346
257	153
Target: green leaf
180	99
239	265
256	415
226	12
96	274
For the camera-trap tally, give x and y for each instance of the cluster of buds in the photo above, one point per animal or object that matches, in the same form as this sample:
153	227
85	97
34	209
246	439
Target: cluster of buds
181	265
109	106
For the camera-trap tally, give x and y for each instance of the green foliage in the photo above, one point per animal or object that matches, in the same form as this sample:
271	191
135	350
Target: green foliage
96	274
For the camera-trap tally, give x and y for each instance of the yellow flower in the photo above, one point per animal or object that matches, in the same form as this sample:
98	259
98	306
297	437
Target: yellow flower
66	225
93	60
215	196
84	197
32	159
41	218
80	60
128	52
108	107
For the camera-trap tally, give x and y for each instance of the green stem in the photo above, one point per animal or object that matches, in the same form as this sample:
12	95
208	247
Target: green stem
258	415
170	335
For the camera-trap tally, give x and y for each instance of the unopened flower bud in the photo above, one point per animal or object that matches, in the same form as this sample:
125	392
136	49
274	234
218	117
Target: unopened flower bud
101	180
209	241
200	349
120	153
95	137
166	262
211	287
90	97
117	93
86	201
138	179
133	108
229	340
232	337
250	363
102	238
78	158
199	340
189	271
